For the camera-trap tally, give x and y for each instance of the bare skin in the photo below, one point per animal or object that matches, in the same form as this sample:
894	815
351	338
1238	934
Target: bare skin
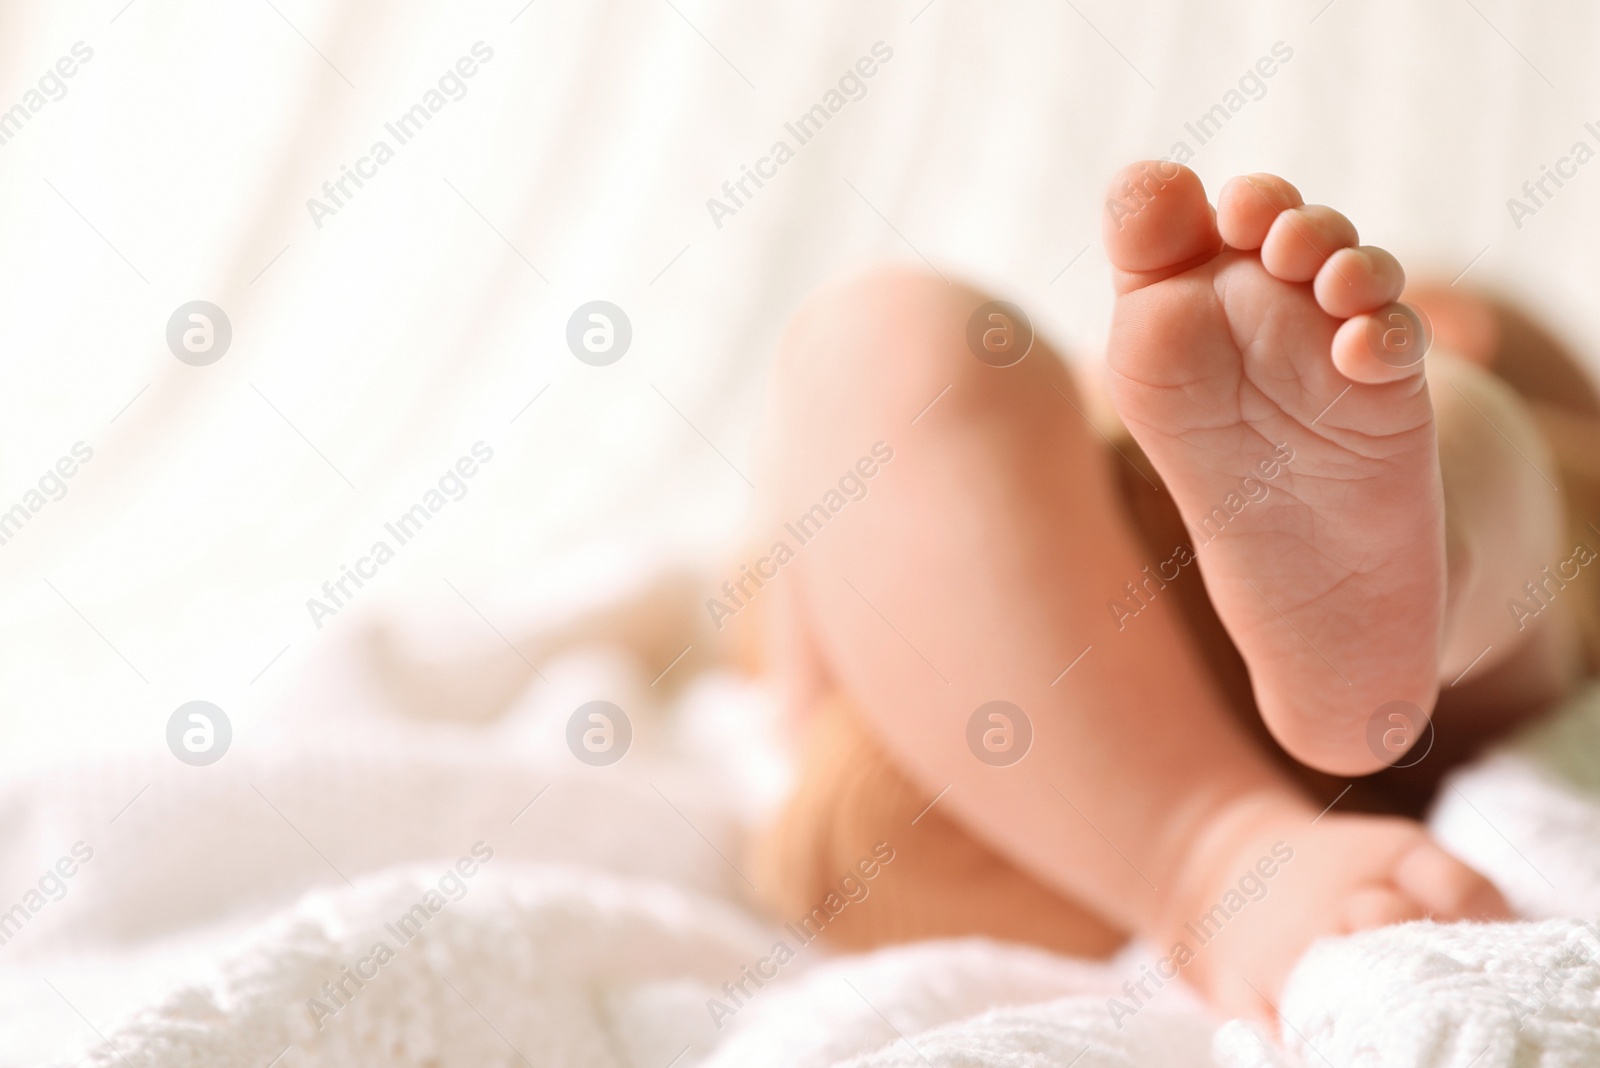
980	564
1334	589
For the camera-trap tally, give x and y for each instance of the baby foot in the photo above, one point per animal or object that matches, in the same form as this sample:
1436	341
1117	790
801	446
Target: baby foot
1268	877
1257	356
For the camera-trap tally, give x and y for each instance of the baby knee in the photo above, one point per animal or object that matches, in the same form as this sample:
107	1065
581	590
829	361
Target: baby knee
893	334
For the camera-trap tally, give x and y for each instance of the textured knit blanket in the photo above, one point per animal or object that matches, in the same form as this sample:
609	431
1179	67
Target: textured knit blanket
405	894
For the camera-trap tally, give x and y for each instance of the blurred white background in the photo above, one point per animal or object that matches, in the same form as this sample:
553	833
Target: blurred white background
426	315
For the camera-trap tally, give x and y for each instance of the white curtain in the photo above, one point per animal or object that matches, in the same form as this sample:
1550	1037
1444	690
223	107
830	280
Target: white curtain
372	348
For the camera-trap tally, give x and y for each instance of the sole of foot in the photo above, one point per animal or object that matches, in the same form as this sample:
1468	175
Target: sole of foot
1259	357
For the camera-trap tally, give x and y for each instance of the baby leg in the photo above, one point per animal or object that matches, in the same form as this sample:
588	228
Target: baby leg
978	568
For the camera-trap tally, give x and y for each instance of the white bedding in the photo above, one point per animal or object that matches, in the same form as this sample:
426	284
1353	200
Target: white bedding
600	924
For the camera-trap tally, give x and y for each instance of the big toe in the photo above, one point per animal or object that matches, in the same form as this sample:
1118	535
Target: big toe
1157	223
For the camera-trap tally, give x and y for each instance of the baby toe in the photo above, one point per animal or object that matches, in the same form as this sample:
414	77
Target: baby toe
1156	221
1301	239
1386	345
1378	906
1357	280
1447	888
1248	205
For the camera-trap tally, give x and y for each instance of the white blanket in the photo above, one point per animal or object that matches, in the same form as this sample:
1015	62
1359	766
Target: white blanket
537	911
